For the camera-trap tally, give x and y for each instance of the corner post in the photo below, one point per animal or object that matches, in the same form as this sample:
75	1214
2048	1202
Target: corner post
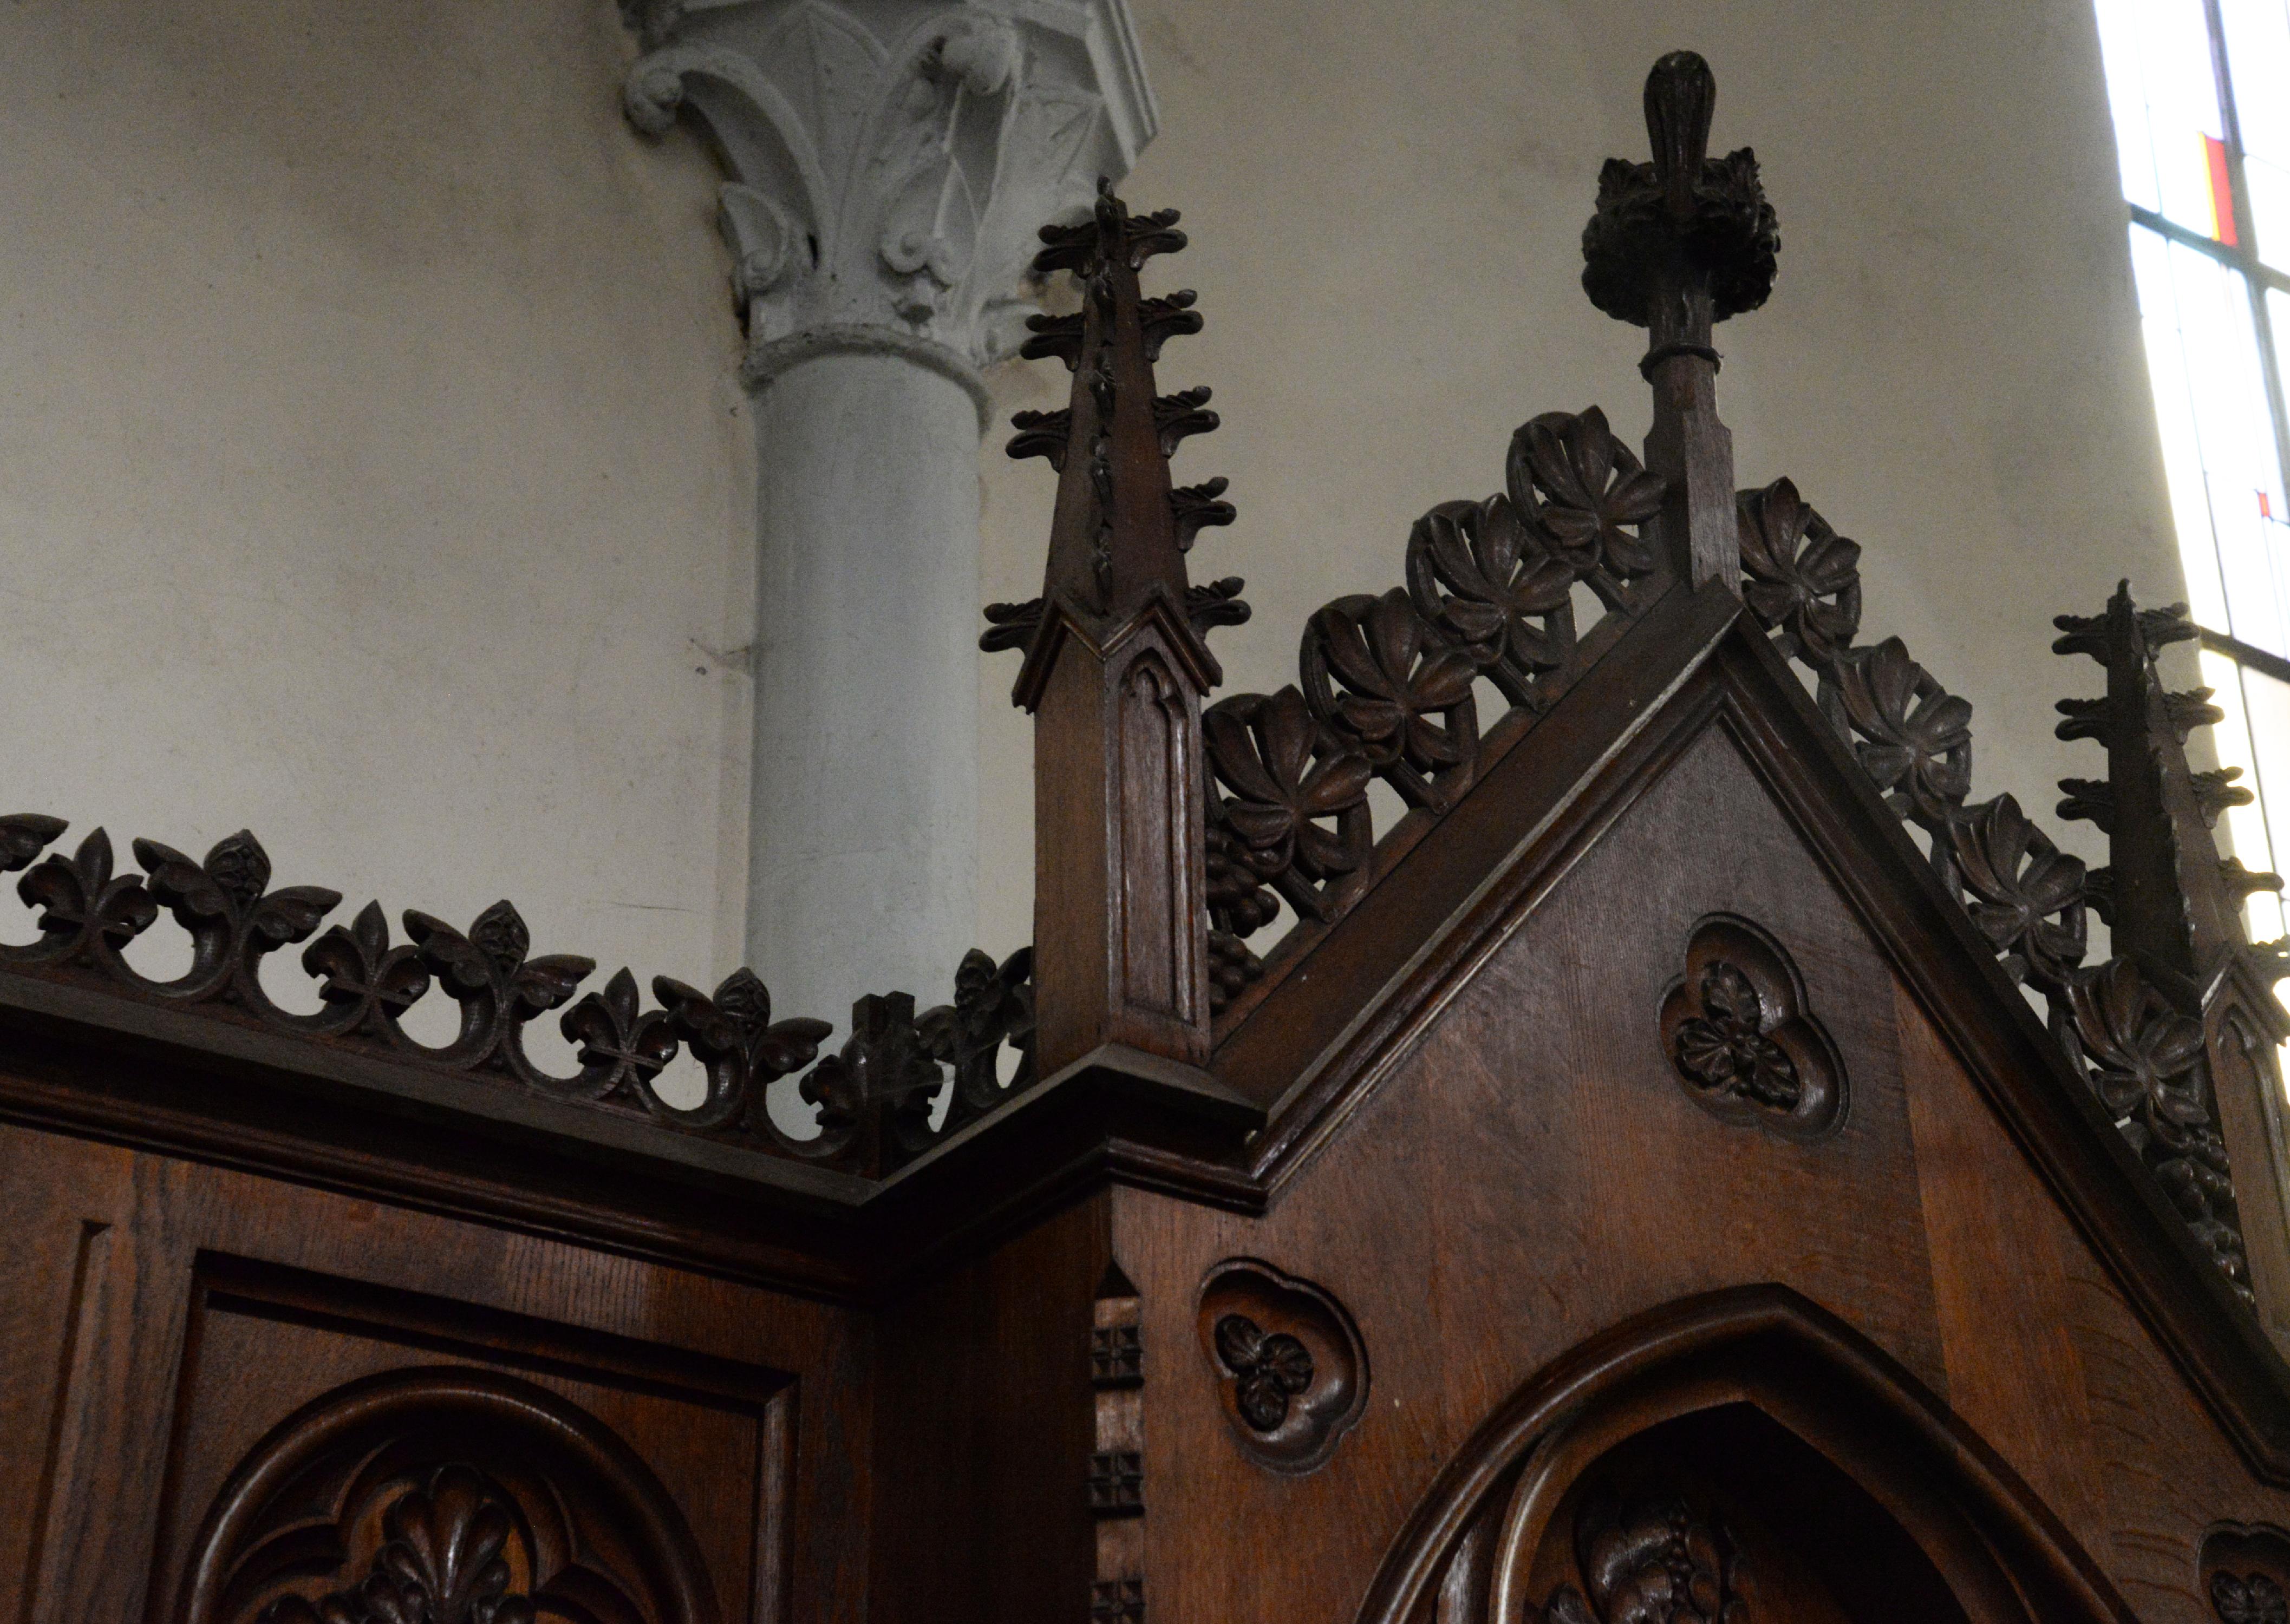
2173	907
1115	672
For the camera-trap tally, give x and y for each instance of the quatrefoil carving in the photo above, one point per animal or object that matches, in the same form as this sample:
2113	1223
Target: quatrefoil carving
1741	1038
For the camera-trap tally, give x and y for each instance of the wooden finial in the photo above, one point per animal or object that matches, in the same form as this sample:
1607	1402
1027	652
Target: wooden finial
1676	245
2169	899
1116	666
1681	94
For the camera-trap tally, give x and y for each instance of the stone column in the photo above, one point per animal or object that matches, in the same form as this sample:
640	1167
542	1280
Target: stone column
890	164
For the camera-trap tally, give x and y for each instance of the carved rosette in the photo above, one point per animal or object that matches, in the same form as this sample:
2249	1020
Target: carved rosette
890	163
1739	1035
1116	1483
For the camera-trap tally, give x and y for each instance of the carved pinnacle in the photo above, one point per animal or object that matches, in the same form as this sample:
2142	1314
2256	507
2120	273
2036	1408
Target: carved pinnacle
1119	535
1676	245
2170	900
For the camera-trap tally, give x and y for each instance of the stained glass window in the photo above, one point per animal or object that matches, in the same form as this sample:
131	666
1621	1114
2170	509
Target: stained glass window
2200	92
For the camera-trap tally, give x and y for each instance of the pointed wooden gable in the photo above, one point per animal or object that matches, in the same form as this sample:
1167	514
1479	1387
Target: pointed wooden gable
1689	1166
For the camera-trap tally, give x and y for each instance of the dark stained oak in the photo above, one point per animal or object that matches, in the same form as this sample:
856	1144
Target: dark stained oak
1683	1168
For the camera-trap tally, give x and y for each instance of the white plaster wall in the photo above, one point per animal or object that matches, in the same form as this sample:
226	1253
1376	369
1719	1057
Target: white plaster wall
371	471
371	467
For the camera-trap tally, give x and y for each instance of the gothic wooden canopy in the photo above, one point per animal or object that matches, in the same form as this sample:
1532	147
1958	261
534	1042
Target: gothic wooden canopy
1686	1166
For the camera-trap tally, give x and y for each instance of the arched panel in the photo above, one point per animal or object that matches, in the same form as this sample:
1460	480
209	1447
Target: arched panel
1744	1446
453	1495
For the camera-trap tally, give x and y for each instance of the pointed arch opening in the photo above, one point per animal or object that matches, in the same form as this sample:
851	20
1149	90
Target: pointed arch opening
1741	1456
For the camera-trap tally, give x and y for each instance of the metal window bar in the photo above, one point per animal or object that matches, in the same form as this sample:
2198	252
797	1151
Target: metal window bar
2242	255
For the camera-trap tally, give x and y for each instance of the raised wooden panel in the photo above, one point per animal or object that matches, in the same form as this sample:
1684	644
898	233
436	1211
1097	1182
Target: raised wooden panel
167	1318
2016	1377
2048	1363
264	1343
986	1423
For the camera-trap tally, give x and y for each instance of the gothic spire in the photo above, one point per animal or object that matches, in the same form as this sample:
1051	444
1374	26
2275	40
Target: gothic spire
1115	668
1118	542
2171	900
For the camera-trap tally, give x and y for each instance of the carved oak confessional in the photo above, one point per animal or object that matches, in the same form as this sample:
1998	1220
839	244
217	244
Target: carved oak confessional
1682	1169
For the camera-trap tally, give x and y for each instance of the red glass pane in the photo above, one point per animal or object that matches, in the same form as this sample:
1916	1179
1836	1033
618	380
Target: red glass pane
2221	191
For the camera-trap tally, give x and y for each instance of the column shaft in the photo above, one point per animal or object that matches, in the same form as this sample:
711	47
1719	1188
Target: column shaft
861	844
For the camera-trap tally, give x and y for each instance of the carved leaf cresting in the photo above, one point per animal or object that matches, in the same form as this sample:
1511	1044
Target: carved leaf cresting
1388	683
874	1115
2132	1028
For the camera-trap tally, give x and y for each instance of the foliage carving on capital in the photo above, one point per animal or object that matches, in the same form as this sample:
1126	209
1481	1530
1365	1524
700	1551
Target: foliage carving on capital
887	169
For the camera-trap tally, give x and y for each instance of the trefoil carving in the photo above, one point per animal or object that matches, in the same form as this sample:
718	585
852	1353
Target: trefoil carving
1290	1366
1269	1370
1741	1038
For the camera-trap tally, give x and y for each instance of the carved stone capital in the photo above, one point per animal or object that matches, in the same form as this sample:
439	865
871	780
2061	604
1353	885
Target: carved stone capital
890	163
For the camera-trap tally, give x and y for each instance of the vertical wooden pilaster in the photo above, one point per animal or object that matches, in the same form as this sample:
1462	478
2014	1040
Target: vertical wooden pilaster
1120	876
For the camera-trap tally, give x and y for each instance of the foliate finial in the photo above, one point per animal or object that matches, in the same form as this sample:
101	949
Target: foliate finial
2170	899
1121	532
1681	94
1675	247
1683	212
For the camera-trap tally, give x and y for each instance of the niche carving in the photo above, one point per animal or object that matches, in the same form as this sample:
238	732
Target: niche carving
1292	1370
446	1496
1651	1555
1741	1038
